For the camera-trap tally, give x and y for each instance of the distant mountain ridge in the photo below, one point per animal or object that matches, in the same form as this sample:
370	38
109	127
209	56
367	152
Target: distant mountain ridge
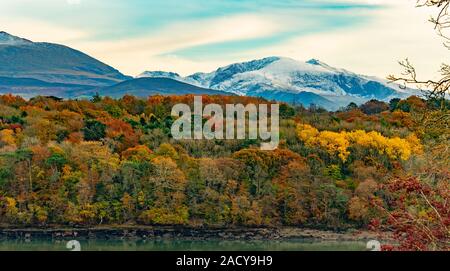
288	80
28	88
143	87
38	68
54	63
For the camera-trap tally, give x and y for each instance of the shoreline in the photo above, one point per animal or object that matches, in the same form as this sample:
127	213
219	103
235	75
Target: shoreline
186	233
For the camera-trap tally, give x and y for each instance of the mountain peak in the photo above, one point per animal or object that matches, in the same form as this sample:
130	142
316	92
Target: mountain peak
317	62
248	65
160	74
8	39
324	65
314	61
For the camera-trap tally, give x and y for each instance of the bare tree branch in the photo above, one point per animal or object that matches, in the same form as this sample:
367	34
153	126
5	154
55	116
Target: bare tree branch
432	89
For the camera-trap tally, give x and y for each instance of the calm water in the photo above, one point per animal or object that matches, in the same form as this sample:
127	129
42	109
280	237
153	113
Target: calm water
179	245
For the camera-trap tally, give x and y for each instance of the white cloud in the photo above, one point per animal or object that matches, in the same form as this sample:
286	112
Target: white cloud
397	31
132	56
150	51
393	34
184	35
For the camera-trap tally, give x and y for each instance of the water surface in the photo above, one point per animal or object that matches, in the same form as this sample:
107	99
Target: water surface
181	245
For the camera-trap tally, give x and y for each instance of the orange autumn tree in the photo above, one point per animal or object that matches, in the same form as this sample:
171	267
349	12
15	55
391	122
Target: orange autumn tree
122	133
105	161
138	153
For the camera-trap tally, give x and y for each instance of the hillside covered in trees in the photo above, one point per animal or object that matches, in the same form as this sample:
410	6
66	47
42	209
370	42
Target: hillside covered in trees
113	162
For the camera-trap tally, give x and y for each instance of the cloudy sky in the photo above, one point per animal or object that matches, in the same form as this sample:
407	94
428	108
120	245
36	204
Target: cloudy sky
186	36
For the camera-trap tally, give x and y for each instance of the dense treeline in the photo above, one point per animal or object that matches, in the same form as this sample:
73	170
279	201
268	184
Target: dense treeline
106	161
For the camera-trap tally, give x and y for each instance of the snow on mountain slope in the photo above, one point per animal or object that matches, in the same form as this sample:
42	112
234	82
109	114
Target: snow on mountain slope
282	78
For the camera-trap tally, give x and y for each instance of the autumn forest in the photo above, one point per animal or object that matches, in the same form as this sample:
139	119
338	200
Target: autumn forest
378	166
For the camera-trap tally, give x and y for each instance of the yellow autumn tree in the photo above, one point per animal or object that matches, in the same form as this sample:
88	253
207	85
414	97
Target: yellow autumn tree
334	143
7	137
170	183
338	143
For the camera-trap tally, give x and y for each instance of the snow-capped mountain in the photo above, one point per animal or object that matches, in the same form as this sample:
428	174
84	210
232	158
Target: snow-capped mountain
39	68
288	80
